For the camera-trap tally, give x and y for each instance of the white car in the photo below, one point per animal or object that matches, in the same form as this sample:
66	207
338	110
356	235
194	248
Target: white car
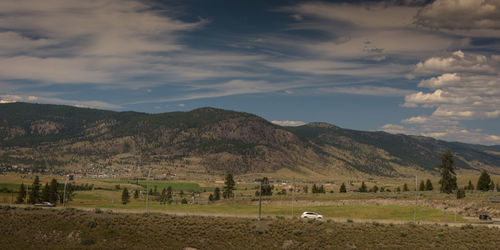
311	215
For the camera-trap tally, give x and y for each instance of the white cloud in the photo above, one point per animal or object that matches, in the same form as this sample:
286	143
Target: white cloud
456	62
289	123
55	100
415	119
460	14
367	90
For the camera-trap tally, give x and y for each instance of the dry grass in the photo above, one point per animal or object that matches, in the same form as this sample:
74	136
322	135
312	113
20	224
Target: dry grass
72	229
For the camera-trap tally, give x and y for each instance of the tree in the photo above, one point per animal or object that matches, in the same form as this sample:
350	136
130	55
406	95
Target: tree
229	187
314	189
342	188
136	194
447	169
363	188
460	193
405	188
470	186
181	193
46	192
267	190
125	196
484	181
492	185
211	197
398	189
375	189
421	187
21	195
155	192
34	196
169	195
217	194
428	185
163	196
306	189
53	194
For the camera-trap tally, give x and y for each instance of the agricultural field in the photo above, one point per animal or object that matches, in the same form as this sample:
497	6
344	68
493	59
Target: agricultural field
77	229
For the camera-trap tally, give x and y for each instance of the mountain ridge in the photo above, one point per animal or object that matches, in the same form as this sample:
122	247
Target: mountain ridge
216	141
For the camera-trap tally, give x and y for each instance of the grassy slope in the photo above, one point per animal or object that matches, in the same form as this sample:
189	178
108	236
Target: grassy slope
86	230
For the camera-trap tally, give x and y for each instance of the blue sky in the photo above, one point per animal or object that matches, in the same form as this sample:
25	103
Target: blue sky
415	67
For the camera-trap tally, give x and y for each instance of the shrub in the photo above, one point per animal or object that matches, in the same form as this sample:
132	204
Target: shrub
97	210
297	232
92	223
350	220
404	234
466	226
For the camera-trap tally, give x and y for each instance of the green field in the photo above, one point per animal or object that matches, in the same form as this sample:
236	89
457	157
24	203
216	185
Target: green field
177	186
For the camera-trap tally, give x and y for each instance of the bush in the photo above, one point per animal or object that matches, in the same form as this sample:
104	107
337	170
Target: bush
92	223
184	201
350	221
404	234
97	210
297	232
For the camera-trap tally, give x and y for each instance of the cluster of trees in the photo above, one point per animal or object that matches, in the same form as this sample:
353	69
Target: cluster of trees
52	192
318	189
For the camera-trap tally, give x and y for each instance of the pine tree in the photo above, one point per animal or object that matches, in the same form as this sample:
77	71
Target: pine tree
136	194
217	194
181	193
342	188
405	188
375	189
267	190
447	169
229	187
211	197
321	189
21	195
306	189
53	194
363	188
483	184
45	193
314	189
125	196
169	195
428	185
163	197
460	193
470	186
34	196
398	189
421	187
492	185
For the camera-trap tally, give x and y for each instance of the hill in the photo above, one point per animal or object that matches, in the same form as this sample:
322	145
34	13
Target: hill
212	141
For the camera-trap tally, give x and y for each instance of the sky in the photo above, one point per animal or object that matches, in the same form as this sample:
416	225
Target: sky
417	67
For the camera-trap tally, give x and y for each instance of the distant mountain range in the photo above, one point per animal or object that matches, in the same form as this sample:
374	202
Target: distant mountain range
217	141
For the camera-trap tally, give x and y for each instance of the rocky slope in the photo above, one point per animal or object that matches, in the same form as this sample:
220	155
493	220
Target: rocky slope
215	141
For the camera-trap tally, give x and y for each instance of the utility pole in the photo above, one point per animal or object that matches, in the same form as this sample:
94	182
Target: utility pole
147	191
416	198
293	195
64	194
260	197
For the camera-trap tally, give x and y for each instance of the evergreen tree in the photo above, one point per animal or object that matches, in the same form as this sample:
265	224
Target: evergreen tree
492	185
229	187
34	196
53	194
217	194
314	189
375	189
460	193
125	196
405	188
155	192
181	193
169	194
163	197
21	195
483	184
363	188
211	197
342	188
306	189
321	189
470	186
136	194
267	190
421	187
447	169
428	185
45	193
398	189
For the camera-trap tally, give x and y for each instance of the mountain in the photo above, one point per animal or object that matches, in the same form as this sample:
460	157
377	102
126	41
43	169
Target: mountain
213	141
